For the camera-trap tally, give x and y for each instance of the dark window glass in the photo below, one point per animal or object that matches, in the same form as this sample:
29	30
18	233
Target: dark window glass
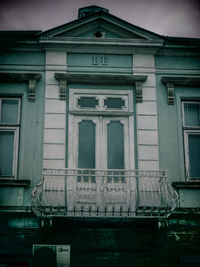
194	154
9	111
87	102
115	145
6	152
117	103
192	114
86	149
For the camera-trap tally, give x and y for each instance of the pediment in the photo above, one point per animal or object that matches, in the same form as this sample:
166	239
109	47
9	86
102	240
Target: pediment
100	25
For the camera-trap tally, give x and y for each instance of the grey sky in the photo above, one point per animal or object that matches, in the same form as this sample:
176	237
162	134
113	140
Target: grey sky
165	17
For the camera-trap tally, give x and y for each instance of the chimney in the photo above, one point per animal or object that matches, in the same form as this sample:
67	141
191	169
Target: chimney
90	10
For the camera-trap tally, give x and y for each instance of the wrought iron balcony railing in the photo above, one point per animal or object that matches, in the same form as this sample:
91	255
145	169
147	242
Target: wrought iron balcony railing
103	193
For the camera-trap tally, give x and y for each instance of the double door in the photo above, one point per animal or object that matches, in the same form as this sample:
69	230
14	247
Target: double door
100	149
99	142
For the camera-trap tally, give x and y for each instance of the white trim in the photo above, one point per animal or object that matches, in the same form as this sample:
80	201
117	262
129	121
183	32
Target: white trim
188	130
101	132
187	156
189	102
100	95
12	127
15	130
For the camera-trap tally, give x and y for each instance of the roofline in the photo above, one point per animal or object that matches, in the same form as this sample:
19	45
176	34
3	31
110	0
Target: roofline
20	32
101	12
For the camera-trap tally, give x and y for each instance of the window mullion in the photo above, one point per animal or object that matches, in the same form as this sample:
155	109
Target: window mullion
102	143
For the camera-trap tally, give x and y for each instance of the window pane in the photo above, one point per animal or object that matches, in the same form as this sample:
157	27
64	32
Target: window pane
115	145
6	153
9	111
87	102
86	149
192	114
194	154
117	103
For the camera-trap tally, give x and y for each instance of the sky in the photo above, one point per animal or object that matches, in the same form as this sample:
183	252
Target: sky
179	18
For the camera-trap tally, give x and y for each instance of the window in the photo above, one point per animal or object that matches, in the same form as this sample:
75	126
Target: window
191	129
101	129
9	135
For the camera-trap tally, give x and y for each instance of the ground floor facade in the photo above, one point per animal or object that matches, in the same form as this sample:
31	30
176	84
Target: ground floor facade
140	242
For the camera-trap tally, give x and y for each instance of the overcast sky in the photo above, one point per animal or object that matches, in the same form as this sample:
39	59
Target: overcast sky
165	17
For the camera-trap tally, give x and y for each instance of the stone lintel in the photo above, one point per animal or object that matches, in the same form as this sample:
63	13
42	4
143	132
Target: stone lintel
92	78
186	185
31	78
171	81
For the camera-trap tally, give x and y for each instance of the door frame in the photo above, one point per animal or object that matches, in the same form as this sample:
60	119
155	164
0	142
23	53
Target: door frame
75	114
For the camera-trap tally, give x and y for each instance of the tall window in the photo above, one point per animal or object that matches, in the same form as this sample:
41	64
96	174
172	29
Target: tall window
9	135
191	128
101	129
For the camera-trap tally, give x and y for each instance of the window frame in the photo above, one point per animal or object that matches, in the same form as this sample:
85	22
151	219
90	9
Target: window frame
12	127
188	130
76	113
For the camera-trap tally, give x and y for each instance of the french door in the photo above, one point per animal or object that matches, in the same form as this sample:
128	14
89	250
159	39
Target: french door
99	142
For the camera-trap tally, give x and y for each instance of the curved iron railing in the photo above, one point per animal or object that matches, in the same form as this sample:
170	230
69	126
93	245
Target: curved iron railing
103	193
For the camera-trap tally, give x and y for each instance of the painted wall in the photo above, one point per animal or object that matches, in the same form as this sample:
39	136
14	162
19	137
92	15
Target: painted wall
171	141
31	123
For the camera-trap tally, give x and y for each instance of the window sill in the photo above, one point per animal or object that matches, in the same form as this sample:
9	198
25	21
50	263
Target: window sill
186	185
14	182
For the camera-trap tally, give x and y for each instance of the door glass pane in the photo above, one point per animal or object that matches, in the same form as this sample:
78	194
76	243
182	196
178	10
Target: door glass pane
194	154
87	102
6	153
86	149
192	114
9	111
115	145
117	103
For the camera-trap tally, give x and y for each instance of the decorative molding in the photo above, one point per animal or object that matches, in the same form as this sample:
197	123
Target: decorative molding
170	93
92	78
31	78
171	81
139	93
62	89
31	90
186	185
14	182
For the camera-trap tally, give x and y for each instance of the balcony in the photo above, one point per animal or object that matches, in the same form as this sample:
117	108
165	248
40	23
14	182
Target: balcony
103	194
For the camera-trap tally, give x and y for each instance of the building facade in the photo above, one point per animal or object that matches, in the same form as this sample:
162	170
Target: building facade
99	146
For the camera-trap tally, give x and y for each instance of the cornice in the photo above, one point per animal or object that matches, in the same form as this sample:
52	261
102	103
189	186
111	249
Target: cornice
187	185
172	81
30	78
14	182
136	80
85	40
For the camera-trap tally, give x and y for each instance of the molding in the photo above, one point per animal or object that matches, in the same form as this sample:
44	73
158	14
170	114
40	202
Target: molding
110	79
31	90
14	182
171	81
62	89
186	185
170	93
31	78
17	209
80	41
139	92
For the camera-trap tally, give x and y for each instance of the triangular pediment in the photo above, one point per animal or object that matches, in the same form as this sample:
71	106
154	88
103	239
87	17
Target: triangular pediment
100	25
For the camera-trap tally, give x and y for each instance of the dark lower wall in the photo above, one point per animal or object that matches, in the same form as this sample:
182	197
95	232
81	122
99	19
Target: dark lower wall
117	243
